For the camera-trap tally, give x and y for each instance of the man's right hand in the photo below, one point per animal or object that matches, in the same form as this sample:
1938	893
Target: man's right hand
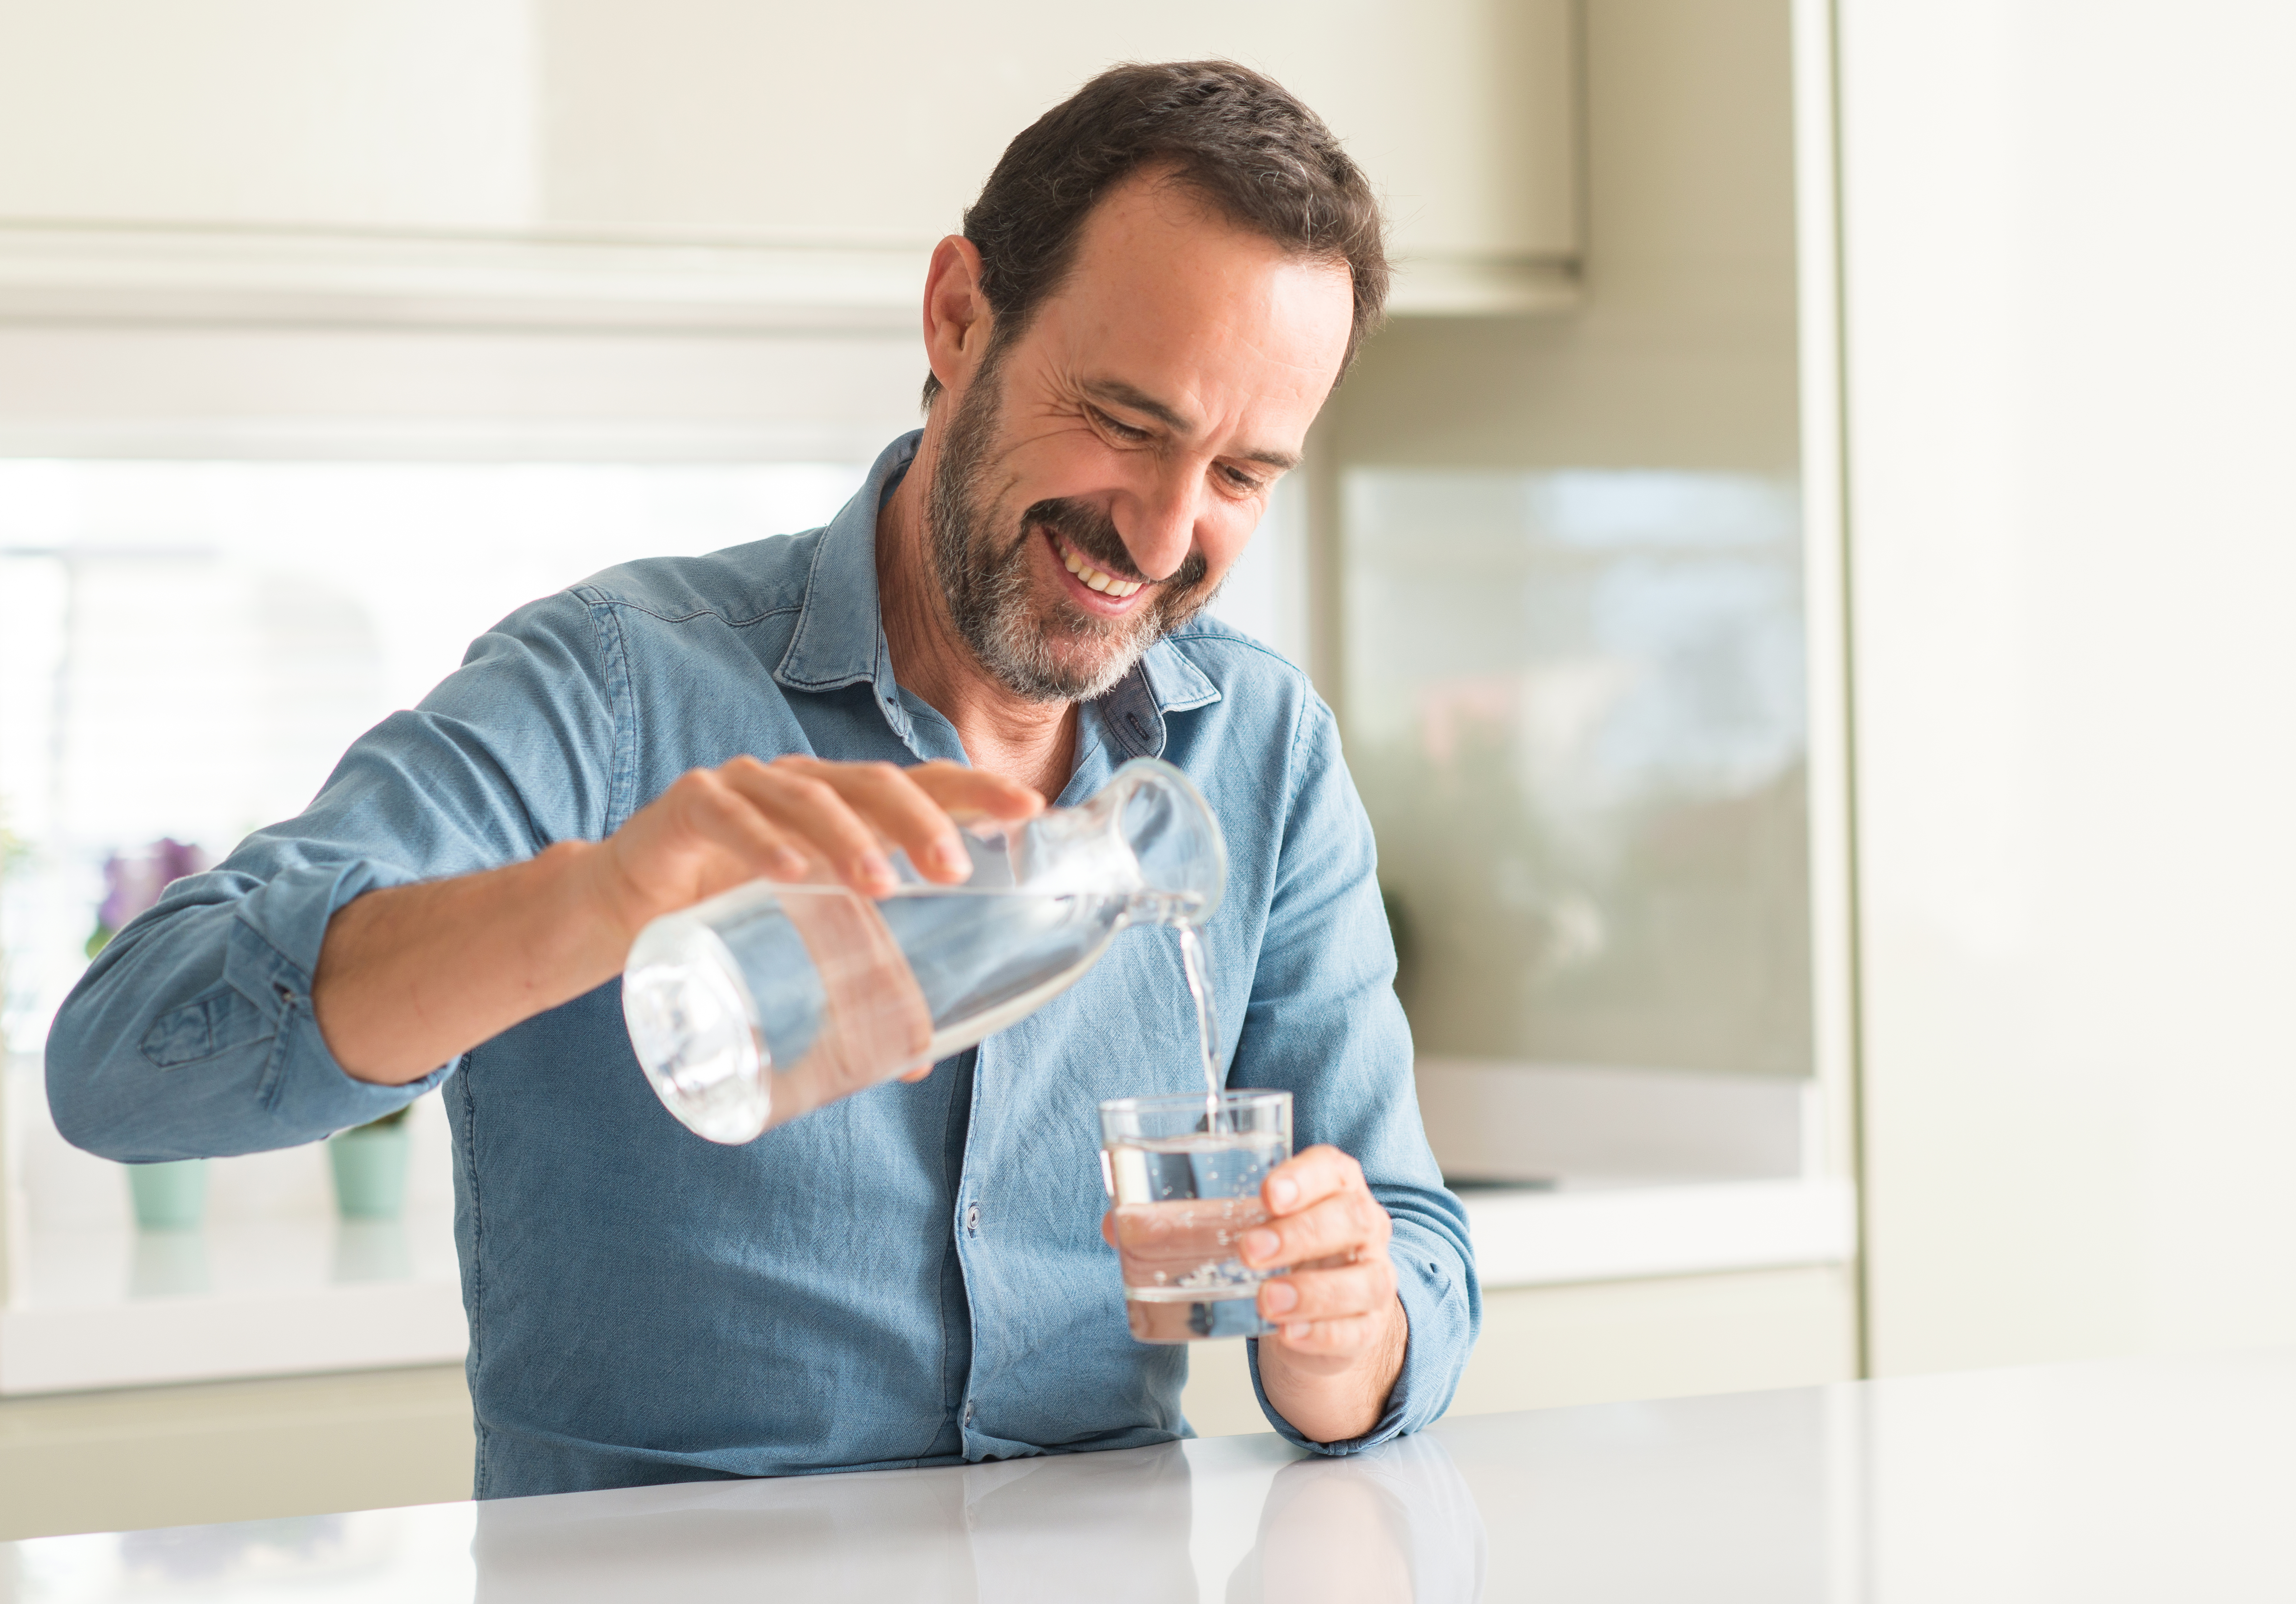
410	977
789	820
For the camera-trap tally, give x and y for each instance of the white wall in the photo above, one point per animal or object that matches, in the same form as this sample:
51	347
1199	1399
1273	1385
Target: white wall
2070	340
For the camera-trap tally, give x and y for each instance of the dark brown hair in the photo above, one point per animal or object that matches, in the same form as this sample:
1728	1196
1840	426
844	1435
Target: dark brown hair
1237	138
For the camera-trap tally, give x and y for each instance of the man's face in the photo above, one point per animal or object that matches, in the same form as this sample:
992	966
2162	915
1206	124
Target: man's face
1102	471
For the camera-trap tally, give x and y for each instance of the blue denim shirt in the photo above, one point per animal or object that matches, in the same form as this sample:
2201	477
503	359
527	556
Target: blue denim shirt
913	1276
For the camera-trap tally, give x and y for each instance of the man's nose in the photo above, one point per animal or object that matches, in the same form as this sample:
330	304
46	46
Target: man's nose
1162	526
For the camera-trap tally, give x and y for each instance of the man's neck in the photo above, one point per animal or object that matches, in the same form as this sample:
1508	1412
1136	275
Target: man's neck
1031	742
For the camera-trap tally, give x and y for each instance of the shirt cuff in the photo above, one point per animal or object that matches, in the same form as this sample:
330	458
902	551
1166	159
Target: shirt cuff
1435	1350
273	951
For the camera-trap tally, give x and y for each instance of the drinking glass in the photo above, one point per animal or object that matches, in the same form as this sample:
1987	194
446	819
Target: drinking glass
1183	1175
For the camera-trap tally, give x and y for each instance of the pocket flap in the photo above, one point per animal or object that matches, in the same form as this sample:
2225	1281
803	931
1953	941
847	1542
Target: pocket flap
215	1021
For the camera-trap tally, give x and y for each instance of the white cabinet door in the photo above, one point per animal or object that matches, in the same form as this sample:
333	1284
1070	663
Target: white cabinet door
878	121
868	124
368	114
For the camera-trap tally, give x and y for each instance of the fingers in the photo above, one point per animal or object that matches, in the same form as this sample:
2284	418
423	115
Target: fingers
793	818
1318	1207
882	803
707	807
1349	1336
1329	1295
973	795
1320	1172
849	812
1324	1222
804	804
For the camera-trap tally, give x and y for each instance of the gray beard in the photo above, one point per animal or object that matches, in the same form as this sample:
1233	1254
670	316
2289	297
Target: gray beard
985	580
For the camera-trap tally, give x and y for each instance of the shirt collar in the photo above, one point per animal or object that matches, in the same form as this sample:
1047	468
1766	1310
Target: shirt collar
1163	682
840	637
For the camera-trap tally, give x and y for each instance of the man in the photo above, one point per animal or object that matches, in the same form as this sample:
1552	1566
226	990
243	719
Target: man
1157	289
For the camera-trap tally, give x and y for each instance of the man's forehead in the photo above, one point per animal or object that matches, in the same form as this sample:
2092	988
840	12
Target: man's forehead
1163	285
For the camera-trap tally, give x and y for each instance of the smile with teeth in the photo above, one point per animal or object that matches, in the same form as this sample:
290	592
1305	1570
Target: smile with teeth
1106	583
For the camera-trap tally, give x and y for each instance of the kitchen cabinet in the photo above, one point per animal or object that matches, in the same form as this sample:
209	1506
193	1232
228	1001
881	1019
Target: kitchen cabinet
860	131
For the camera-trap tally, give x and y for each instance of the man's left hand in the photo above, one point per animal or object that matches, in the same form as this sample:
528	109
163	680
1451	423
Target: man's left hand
1339	1296
1341	1330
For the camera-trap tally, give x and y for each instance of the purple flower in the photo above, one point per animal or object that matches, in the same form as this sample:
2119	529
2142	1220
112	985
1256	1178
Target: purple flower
178	858
133	883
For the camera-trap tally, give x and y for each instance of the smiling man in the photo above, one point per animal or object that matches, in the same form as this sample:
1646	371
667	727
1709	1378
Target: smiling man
1158	288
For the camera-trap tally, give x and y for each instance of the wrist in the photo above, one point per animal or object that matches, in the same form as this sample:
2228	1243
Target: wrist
587	915
1331	1398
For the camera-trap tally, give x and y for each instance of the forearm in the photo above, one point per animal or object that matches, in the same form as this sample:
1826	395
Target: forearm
410	977
1331	1399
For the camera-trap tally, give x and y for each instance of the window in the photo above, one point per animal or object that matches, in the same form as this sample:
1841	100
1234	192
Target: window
191	644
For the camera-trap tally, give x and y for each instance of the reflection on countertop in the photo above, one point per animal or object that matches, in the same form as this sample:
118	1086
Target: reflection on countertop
1148	1524
1263	1522
2137	1480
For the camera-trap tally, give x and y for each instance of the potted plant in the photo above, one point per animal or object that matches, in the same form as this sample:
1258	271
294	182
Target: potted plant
170	1195
132	882
370	1165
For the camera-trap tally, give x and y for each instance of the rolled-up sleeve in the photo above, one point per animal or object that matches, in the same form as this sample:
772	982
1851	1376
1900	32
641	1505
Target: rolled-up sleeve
192	1034
1323	1022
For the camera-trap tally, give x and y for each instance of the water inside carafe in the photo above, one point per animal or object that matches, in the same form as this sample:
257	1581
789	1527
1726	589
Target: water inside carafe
770	1000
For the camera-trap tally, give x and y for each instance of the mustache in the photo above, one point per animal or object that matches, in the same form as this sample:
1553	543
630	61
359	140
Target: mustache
1093	533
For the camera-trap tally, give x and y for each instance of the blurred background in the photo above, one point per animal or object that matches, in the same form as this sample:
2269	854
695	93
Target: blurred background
1801	578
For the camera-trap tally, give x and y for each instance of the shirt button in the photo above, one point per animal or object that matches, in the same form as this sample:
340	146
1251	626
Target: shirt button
972	1220
968	1412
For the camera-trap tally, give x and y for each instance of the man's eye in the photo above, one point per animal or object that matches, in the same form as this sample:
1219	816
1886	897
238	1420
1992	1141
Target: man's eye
1123	432
1239	480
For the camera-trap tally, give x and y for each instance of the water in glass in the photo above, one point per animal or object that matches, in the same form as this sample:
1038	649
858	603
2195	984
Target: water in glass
1182	1176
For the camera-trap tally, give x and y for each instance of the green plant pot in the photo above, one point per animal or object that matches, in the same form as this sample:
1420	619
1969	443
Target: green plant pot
370	1173
170	1196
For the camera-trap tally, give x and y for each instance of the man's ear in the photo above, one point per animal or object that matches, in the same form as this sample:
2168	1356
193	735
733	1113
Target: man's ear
957	316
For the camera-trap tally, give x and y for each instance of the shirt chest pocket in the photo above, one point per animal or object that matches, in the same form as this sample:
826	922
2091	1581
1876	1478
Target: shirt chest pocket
215	1021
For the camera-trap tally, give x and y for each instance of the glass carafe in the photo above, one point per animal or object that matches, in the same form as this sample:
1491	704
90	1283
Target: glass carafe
771	1000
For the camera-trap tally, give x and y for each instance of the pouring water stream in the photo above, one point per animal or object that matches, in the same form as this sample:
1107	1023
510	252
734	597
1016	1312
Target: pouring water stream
1193	962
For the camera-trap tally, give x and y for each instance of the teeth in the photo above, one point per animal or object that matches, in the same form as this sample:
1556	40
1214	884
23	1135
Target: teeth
1108	584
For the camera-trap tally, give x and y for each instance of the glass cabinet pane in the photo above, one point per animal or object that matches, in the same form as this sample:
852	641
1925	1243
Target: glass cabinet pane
1574	706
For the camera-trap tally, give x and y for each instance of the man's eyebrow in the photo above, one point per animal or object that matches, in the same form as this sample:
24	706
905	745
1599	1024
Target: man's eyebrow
1117	392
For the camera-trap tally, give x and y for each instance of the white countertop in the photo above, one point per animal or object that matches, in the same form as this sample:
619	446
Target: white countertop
2139	1480
271	1284
106	1306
